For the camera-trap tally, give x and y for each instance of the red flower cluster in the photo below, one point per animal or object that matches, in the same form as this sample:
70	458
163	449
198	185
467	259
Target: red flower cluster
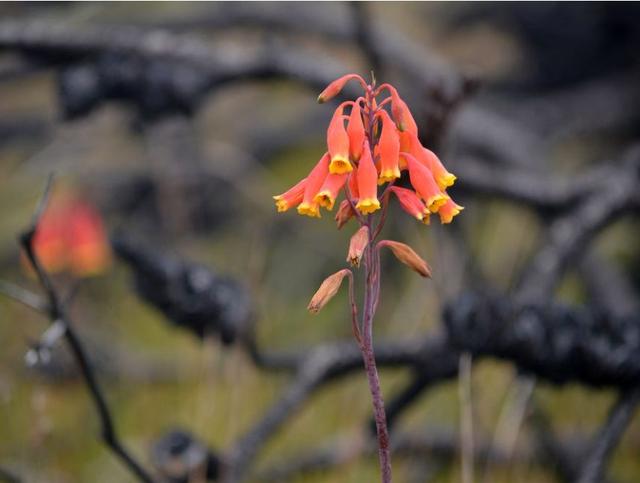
367	148
70	236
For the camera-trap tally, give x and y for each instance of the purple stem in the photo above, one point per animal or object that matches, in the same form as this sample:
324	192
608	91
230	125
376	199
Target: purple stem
372	284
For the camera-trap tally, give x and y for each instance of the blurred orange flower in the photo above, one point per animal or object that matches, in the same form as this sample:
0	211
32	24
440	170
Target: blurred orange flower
71	237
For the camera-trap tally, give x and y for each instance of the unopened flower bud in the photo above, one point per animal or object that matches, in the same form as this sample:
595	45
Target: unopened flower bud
359	242
344	214
327	290
408	256
336	86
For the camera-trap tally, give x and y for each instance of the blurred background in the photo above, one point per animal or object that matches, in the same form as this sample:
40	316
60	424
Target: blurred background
169	126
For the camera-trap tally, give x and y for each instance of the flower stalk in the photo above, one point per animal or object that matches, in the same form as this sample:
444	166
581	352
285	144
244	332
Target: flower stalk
378	144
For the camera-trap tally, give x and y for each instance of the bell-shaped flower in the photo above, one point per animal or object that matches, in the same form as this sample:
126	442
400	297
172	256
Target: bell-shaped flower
443	177
338	144
448	211
389	150
330	189
410	143
425	185
356	133
412	204
367	183
315	180
292	197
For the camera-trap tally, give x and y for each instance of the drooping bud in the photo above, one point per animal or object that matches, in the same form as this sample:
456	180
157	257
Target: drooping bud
338	144
355	131
357	245
327	290
389	149
336	86
408	256
367	183
448	211
402	115
315	181
344	214
291	197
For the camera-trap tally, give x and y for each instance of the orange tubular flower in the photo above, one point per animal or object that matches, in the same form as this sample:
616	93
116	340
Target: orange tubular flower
290	198
330	188
411	144
410	203
336	86
424	183
443	177
315	180
389	149
448	211
367	183
338	144
355	131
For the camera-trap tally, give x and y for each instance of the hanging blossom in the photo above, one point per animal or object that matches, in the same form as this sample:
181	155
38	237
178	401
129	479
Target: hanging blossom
368	149
373	156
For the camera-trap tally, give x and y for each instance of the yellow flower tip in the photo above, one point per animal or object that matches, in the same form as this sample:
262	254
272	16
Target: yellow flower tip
281	204
308	209
368	205
435	202
388	175
340	165
321	99
446	180
446	218
424	218
325	199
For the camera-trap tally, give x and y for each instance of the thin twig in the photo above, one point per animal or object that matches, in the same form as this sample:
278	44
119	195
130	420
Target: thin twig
466	418
609	436
57	313
23	296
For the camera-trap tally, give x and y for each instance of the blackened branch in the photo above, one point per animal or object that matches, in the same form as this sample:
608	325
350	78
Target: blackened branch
568	235
57	314
555	342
